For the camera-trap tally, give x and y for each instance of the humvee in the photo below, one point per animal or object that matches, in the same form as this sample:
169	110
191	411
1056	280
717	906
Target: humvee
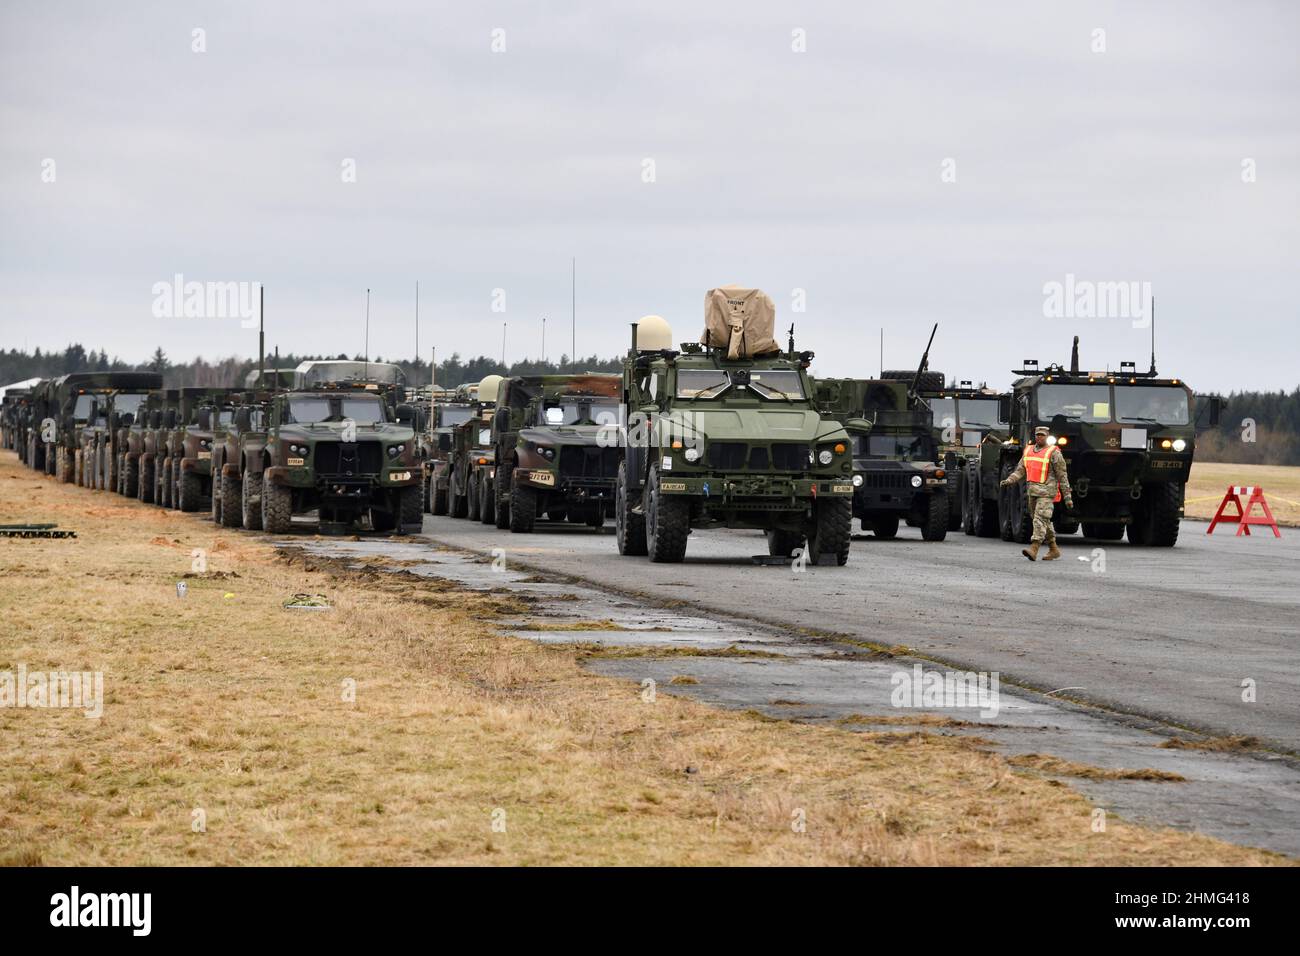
549	458
1128	438
340	443
724	433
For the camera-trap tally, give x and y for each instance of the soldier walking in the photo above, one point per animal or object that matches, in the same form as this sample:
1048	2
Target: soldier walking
1043	469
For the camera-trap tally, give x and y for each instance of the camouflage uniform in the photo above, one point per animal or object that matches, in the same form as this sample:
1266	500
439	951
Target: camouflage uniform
1042	495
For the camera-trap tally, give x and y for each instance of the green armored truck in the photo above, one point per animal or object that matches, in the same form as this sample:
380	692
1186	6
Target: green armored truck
100	445
548	453
965	418
725	433
206	411
1128	438
340	443
896	470
469	465
446	413
246	428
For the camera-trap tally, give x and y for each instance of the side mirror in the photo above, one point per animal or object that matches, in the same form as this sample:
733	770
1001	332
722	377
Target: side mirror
1004	408
204	419
405	414
244	418
503	420
444	442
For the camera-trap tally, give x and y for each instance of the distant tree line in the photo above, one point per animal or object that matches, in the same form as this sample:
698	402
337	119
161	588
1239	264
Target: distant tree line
17	365
1257	428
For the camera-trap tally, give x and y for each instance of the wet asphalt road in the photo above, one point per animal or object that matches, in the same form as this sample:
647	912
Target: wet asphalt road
1167	634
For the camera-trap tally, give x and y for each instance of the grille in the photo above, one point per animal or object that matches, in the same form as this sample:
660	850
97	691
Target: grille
790	457
577	461
885	480
340	458
738	456
726	455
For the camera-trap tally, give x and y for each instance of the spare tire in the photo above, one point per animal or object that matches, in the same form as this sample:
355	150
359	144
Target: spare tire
930	381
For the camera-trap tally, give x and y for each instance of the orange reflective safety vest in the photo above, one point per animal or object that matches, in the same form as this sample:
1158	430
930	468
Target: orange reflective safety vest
1038	465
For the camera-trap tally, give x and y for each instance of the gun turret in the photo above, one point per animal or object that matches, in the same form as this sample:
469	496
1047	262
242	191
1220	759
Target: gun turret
925	364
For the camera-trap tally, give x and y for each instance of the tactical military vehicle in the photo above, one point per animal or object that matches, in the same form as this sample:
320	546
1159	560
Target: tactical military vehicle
73	403
206	410
339	443
468	467
445	415
136	439
1128	438
17	417
896	475
246	428
724	433
964	419
549	457
100	445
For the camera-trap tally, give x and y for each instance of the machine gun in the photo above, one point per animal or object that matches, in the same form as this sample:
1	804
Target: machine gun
922	368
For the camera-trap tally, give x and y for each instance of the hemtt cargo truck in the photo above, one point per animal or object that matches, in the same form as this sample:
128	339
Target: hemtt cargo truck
724	433
550	452
964	419
1128	439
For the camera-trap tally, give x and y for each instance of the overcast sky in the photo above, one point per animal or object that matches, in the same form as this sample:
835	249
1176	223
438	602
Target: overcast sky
794	146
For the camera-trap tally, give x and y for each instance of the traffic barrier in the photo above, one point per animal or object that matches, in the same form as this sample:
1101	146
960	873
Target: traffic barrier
1243	519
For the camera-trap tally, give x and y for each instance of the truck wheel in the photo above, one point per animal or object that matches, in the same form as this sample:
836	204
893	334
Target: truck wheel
459	505
472	498
410	511
782	543
439	504
163	483
1156	524
251	513
78	468
1014	517
424	494
501	491
66	466
189	491
232	496
523	510
1064	524
935	527
629	528
216	494
131	477
885	528
596	517
277	506
487	507
146	489
956	502
667	523
833	530
983	511
1103	532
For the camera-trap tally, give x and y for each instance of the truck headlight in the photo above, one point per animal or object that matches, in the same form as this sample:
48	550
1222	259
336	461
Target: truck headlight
916	481
545	452
395	450
1179	444
857	481
691	454
826	456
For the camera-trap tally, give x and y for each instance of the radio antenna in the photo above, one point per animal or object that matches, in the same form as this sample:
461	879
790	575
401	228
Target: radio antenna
1153	335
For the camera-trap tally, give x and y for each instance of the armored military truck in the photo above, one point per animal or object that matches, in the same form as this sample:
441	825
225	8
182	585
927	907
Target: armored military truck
725	433
340	443
136	438
72	404
246	428
467	469
42	428
896	473
964	419
204	411
445	415
548	453
1128	438
100	436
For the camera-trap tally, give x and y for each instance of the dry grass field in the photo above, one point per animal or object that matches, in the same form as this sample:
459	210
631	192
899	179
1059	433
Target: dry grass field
1210	479
460	746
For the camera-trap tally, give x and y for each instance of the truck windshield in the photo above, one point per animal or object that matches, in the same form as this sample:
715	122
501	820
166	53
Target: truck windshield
978	413
780	384
1082	403
582	412
895	447
310	410
127	403
1152	404
82	409
701	383
449	415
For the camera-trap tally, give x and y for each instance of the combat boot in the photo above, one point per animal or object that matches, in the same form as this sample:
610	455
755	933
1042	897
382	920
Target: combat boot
1053	552
1031	552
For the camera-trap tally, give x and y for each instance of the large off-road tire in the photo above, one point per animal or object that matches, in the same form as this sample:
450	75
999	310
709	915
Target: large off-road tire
983	511
935	526
832	531
214	497
439	504
596	517
487	504
930	381
78	468
667	522
1064	524
410	510
629	528
250	513
956	496
782	543
1103	532
885	527
471	498
277	506
145	483
424	495
66	465
459	504
1155	523
189	491
162	496
1015	517
232	498
523	509
130	477
501	491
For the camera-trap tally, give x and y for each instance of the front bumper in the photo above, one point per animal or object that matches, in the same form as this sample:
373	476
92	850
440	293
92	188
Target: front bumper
742	488
343	486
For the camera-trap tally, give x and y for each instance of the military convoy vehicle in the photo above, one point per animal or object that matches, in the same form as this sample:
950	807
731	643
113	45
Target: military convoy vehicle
548	450
100	446
896	474
964	419
246	427
1128	438
724	433
468	467
206	411
15	418
340	443
69	407
445	415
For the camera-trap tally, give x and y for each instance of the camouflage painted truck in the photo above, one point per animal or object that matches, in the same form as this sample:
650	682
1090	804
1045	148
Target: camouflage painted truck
42	427
245	428
339	443
1128	439
446	413
100	437
897	475
725	433
965	418
209	410
75	404
137	441
471	464
549	453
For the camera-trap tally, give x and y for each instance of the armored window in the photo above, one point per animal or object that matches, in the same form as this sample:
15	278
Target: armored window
1080	403
776	383
701	383
1151	405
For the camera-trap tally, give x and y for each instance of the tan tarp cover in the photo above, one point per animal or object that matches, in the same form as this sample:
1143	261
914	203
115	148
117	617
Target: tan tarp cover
740	320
